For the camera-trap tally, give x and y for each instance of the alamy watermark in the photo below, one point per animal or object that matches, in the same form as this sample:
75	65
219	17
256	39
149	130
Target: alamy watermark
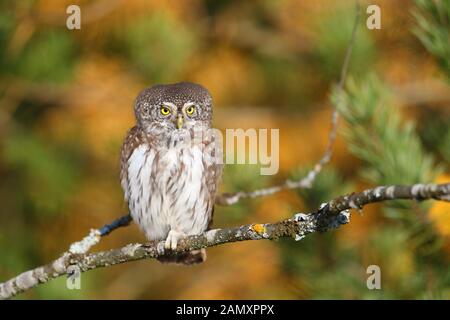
374	19
374	279
258	148
237	146
73	21
73	281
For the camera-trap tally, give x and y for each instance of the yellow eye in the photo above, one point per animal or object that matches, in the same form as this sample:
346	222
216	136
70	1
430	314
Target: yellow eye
190	110
165	111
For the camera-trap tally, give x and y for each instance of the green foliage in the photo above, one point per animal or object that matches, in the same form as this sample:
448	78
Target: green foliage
14	253
214	7
328	185
156	46
433	26
391	149
39	176
392	153
286	86
50	57
435	133
403	268
319	268
48	173
57	289
6	27
243	178
404	247
320	253
334	36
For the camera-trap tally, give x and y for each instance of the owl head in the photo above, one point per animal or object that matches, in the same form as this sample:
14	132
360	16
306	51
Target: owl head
175	106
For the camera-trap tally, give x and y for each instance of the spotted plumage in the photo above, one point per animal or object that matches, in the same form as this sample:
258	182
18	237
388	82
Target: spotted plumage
170	167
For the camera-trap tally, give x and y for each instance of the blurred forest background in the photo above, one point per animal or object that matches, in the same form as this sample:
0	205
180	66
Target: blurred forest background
66	102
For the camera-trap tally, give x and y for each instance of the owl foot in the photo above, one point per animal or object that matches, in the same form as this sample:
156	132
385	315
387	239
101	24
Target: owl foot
172	239
160	249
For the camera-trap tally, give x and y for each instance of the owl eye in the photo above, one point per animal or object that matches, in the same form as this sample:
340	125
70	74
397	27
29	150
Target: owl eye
190	110
165	111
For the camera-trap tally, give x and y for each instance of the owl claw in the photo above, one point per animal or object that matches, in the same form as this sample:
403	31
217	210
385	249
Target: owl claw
172	239
160	248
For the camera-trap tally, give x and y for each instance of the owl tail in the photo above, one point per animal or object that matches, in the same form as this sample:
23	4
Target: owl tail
185	258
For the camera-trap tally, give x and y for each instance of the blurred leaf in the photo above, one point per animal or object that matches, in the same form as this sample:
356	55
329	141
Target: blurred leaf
285	82
435	133
327	185
241	177
49	57
433	27
333	39
48	174
156	46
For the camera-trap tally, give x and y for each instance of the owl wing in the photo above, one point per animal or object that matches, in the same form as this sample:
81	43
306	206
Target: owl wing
134	139
213	177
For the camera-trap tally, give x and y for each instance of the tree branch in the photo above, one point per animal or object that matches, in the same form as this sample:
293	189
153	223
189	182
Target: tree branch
308	179
80	248
330	215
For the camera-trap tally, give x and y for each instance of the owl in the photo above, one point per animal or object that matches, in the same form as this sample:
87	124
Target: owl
169	166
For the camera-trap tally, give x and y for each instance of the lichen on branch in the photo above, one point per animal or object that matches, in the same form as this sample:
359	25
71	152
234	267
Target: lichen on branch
328	216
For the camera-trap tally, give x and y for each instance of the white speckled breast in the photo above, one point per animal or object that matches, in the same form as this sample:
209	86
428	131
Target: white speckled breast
167	190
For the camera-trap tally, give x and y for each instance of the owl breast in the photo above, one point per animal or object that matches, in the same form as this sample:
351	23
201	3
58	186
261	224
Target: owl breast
167	189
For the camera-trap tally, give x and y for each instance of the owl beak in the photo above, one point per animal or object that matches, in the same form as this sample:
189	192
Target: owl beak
180	122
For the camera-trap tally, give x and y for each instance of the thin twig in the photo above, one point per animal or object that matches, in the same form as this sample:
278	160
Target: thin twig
329	216
308	180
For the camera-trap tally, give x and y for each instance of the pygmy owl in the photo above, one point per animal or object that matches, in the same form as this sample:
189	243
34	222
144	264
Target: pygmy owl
169	168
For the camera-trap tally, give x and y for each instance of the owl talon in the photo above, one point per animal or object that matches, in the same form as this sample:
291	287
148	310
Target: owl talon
172	239
160	248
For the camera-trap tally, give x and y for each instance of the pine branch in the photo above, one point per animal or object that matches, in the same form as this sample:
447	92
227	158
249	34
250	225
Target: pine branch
308	179
433	23
329	216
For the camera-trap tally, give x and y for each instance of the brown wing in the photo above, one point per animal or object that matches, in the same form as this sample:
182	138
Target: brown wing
135	137
213	177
